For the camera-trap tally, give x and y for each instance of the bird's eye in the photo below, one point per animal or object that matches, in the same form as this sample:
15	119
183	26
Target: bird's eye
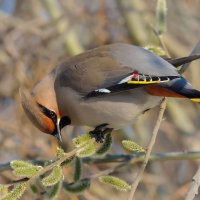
49	113
52	115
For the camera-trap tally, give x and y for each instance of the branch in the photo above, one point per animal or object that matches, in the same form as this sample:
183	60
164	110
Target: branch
46	168
149	149
136	158
196	50
108	171
193	191
120	158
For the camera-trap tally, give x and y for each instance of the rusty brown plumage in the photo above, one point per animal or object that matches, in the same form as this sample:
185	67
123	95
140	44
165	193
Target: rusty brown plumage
32	110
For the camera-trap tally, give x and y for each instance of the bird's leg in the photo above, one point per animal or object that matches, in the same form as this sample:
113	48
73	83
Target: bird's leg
99	132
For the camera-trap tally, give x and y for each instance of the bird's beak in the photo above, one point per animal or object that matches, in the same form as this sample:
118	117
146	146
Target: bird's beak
57	132
60	124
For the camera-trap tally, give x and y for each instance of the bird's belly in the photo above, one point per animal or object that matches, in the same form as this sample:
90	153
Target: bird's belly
116	115
117	110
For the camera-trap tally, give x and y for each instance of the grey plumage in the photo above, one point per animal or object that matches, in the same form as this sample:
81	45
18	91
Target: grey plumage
63	91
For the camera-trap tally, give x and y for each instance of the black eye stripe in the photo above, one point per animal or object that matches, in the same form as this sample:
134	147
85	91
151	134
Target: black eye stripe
42	108
64	121
49	113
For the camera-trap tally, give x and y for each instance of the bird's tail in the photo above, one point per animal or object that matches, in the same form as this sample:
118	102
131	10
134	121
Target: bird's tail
192	94
176	88
176	62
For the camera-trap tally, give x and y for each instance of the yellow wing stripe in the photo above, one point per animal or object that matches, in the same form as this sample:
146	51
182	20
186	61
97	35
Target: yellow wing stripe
195	100
142	82
146	82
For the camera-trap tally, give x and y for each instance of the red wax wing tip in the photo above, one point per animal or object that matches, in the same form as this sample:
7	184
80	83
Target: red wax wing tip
134	76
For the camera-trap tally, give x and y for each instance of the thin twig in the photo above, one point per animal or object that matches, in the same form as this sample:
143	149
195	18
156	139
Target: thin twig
193	191
149	149
136	158
160	37
108	171
119	158
195	50
46	168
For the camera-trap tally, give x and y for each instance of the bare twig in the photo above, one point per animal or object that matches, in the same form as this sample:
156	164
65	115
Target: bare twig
193	191
149	149
120	158
108	171
22	25
196	50
136	158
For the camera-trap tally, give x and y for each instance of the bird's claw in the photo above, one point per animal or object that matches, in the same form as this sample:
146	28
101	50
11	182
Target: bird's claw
99	133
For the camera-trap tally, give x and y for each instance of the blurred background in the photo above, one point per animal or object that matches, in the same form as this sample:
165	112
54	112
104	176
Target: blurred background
37	35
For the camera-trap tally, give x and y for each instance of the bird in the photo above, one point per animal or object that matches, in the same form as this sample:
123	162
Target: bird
106	88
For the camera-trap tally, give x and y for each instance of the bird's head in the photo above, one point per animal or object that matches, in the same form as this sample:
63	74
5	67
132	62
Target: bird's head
46	119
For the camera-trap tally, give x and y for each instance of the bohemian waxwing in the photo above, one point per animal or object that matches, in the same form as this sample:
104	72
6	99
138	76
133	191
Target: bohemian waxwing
106	87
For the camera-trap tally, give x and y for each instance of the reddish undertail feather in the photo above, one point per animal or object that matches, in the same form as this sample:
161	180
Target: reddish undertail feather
158	90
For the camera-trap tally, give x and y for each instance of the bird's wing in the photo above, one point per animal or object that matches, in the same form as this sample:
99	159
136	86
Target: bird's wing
132	81
166	86
109	65
118	67
88	72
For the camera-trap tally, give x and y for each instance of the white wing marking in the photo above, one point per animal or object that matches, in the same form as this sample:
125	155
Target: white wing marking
125	79
103	90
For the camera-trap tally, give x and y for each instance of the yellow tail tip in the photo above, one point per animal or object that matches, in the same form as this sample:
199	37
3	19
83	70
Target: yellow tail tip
195	100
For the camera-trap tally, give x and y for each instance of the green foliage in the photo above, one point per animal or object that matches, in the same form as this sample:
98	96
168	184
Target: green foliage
87	150
81	140
132	146
54	177
115	182
16	193
161	13
156	49
26	172
106	145
77	169
24	169
20	163
77	187
54	191
3	190
60	152
67	161
34	189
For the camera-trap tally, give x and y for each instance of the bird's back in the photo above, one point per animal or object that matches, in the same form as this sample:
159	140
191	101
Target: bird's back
104	66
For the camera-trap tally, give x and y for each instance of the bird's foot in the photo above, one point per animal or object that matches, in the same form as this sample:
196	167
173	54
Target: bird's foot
99	133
